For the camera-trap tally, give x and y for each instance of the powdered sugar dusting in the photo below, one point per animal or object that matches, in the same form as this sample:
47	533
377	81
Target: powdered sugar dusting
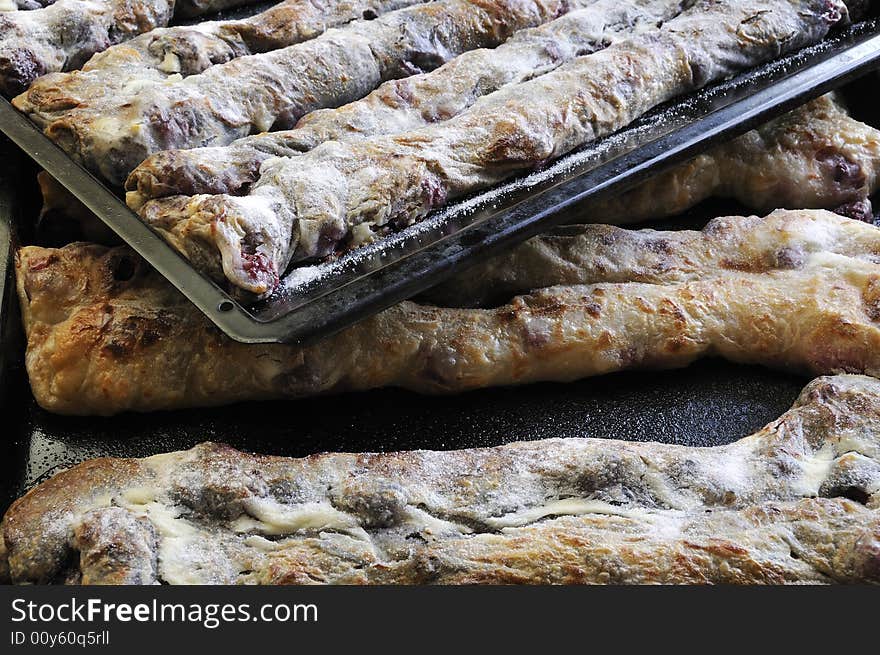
385	250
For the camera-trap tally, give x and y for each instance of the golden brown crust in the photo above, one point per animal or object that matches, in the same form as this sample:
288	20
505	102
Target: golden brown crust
798	501
799	290
814	157
586	254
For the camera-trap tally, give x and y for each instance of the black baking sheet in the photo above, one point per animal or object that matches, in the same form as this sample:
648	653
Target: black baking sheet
709	403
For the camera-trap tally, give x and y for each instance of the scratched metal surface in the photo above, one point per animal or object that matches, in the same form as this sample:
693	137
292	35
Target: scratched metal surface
709	403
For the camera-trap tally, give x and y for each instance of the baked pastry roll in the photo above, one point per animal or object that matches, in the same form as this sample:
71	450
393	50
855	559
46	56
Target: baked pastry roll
272	90
189	49
404	104
795	502
61	35
798	290
817	156
310	205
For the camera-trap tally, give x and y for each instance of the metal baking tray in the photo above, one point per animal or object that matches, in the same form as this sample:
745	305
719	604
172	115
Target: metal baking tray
372	278
709	403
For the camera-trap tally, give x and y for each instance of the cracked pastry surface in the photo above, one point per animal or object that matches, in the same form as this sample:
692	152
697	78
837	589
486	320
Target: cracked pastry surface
66	33
306	206
12	5
62	35
584	254
272	90
795	502
796	289
185	50
401	105
817	156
